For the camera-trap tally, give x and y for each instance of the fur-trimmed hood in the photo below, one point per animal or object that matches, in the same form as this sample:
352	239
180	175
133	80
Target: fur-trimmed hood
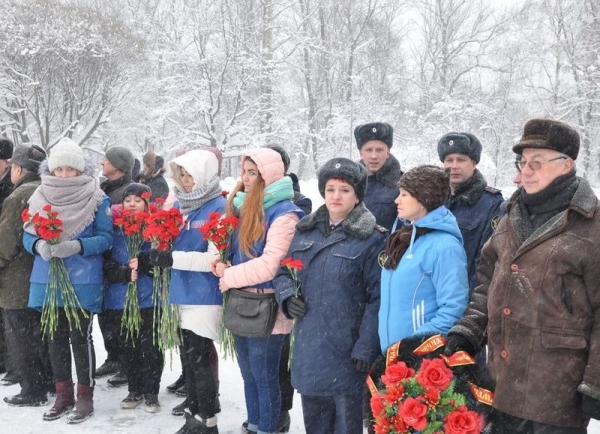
359	223
390	173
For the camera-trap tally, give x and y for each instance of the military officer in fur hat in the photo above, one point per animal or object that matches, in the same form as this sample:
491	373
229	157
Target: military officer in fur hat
476	205
374	141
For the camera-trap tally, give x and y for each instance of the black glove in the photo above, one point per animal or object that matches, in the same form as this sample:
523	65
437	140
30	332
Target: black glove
590	407
144	265
161	258
458	342
295	306
362	366
115	272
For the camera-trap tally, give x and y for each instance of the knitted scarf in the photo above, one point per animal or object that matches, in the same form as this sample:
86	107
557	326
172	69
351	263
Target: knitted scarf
274	193
75	199
193	200
543	205
398	243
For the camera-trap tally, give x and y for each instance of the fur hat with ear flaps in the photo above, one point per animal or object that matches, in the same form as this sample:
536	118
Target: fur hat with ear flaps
549	134
381	131
460	143
430	185
343	168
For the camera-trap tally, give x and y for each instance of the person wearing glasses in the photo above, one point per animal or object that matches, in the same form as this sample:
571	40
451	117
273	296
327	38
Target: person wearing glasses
537	303
476	206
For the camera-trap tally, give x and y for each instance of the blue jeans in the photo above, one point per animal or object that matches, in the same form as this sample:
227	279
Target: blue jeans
259	363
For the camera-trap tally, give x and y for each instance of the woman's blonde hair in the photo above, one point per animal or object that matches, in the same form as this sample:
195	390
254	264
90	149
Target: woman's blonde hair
252	215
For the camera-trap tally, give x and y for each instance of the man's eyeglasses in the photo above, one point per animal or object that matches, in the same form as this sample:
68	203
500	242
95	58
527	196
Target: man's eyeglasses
535	165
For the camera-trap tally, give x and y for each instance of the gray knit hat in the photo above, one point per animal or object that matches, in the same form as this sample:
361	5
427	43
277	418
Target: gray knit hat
460	143
430	185
28	157
121	158
66	153
343	168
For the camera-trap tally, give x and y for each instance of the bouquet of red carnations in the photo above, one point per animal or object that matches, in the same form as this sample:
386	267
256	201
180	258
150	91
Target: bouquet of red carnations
132	224
49	229
218	230
293	266
429	393
162	227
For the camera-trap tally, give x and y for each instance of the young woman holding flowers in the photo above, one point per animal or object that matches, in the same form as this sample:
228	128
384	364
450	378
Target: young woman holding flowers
70	186
141	359
193	287
424	282
336	312
262	200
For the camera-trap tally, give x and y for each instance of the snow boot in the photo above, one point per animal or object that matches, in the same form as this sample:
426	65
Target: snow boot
194	424
84	408
64	400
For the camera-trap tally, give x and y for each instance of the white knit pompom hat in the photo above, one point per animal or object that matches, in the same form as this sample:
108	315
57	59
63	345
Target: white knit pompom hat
66	153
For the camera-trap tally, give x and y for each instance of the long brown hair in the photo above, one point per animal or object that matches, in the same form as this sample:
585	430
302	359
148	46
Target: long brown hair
252	215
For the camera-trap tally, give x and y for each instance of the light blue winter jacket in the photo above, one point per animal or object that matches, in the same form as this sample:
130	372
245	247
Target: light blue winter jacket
429	290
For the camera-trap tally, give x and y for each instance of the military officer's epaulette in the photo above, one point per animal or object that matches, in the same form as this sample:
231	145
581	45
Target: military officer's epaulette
380	228
492	190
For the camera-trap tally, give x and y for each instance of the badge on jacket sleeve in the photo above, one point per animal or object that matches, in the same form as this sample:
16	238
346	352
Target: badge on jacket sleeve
382	258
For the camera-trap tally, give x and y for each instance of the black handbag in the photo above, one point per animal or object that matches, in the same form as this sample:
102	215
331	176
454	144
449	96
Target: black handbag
250	314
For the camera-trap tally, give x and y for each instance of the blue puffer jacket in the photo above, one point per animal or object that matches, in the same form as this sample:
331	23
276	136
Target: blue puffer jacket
85	269
114	296
428	292
195	287
478	210
382	191
340	285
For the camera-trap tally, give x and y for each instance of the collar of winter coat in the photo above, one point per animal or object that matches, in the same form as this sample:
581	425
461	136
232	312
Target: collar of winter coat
359	223
109	186
584	202
390	172
30	177
469	192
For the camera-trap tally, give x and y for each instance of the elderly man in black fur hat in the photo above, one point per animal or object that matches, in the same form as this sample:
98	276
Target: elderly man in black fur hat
374	141
537	303
476	206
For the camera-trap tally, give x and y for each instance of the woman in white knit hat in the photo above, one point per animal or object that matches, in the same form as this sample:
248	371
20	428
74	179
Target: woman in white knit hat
70	186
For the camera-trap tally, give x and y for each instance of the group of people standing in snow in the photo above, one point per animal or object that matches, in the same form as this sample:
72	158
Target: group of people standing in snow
389	256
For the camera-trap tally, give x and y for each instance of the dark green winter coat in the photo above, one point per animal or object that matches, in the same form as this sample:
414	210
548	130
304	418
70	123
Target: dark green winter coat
15	261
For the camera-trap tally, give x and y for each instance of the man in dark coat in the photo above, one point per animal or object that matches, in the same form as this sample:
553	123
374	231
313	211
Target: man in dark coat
117	166
22	325
537	303
374	141
153	176
6	150
476	206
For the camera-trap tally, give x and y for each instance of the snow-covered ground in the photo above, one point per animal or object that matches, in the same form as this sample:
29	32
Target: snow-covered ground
109	418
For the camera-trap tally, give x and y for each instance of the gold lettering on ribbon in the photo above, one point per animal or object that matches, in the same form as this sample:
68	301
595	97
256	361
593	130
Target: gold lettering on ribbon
481	394
392	354
430	345
460	358
371	386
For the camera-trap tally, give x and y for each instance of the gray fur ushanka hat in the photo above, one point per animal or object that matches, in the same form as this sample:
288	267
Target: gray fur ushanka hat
343	168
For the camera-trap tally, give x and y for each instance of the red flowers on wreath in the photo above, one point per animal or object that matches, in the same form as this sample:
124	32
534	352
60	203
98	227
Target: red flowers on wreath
430	394
218	231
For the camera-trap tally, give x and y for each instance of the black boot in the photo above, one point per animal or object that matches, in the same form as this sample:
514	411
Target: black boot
176	385
194	424
179	410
